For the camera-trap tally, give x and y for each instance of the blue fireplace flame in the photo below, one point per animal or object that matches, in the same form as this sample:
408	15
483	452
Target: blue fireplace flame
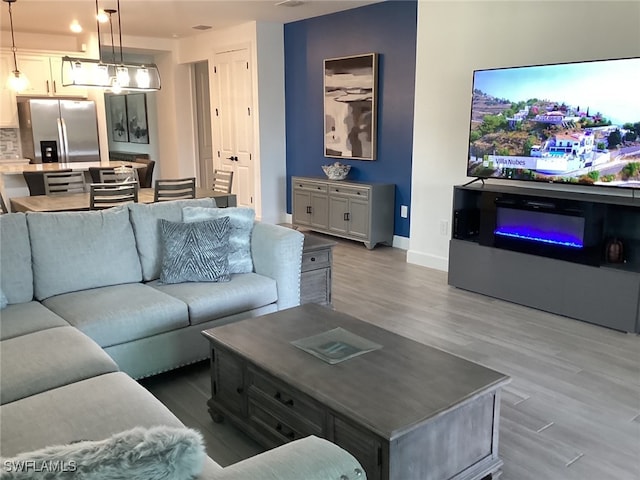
536	235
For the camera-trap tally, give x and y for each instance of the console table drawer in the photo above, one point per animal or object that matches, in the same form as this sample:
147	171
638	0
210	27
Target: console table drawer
350	191
313	260
311	187
291	406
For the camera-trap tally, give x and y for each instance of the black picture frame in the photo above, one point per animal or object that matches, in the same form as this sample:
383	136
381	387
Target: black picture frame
137	124
118	118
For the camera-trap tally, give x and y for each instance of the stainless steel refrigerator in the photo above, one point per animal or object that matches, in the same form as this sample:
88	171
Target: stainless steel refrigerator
58	130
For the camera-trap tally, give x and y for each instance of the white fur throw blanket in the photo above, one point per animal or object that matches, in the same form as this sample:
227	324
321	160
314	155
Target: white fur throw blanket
158	453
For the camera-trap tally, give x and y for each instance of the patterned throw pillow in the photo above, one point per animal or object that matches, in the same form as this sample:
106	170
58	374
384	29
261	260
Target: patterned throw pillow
195	252
240	229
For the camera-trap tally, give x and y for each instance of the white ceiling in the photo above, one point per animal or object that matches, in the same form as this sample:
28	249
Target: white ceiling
161	18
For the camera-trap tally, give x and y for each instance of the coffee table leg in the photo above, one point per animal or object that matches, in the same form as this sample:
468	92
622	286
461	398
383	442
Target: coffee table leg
216	415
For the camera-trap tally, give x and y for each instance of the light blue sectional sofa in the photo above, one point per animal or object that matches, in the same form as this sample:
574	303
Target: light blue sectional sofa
84	314
98	272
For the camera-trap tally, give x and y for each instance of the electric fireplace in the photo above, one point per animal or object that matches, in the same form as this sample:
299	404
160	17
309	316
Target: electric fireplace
565	230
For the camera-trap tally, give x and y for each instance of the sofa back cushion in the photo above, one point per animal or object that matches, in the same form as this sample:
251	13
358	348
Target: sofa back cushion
145	219
16	277
80	250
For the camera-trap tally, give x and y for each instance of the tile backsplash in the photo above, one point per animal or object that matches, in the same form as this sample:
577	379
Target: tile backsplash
9	143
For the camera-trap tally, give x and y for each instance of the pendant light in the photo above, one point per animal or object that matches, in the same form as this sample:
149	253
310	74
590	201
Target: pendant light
114	75
17	80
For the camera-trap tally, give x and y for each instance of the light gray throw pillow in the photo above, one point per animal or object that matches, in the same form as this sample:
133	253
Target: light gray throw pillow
158	453
195	252
144	218
240	229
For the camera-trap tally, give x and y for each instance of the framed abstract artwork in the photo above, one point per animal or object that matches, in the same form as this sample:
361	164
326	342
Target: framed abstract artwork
350	85
118	116
137	118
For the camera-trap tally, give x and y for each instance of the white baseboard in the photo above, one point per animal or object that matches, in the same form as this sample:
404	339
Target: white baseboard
398	241
427	260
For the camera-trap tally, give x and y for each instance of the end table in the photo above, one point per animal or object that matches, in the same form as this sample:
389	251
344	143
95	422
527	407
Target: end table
315	278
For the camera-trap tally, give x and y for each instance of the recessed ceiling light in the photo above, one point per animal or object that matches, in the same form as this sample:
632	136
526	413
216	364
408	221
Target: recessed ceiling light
75	27
289	3
202	27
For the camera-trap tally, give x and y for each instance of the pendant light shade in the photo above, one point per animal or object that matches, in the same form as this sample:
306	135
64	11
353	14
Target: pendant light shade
17	80
89	72
109	74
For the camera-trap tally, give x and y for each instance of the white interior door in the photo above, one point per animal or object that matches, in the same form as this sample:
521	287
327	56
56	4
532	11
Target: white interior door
234	121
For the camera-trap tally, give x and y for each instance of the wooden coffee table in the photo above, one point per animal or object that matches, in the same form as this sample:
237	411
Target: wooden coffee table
406	411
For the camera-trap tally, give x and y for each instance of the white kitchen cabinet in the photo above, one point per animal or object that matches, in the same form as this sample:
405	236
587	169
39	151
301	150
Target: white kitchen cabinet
8	107
56	76
38	73
45	77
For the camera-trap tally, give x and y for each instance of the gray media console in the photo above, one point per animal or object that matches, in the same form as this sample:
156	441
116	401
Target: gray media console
554	275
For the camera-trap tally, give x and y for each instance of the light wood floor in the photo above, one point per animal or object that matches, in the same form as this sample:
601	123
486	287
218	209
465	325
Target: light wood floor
571	412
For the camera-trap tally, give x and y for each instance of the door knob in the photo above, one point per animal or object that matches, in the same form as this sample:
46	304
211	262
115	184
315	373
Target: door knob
233	158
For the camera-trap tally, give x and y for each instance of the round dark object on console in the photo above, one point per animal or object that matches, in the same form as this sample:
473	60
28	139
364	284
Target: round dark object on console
614	251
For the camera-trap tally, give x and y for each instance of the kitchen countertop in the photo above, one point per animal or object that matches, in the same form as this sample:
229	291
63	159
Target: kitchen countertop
14	161
80	201
17	168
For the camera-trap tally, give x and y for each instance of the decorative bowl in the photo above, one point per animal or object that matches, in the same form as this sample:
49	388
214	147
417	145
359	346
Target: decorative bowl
337	171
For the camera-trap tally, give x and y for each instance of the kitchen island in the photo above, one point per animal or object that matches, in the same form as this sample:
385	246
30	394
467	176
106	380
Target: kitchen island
69	202
18	168
12	183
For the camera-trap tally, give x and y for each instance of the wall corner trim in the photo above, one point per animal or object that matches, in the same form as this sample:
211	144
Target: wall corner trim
401	242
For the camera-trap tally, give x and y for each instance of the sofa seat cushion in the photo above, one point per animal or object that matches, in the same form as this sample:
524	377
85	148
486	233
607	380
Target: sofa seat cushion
16	277
145	219
91	409
47	359
120	313
23	318
209	301
74	251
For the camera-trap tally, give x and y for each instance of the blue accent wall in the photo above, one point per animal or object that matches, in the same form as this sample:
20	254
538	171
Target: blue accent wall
387	28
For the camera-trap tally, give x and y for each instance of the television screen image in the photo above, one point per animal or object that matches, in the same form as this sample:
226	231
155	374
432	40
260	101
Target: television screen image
567	123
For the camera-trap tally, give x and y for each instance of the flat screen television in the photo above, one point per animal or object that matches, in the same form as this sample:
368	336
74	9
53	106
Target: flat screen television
574	123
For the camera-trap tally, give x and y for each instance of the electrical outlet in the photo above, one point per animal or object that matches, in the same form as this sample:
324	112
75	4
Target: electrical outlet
404	211
9	145
444	228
